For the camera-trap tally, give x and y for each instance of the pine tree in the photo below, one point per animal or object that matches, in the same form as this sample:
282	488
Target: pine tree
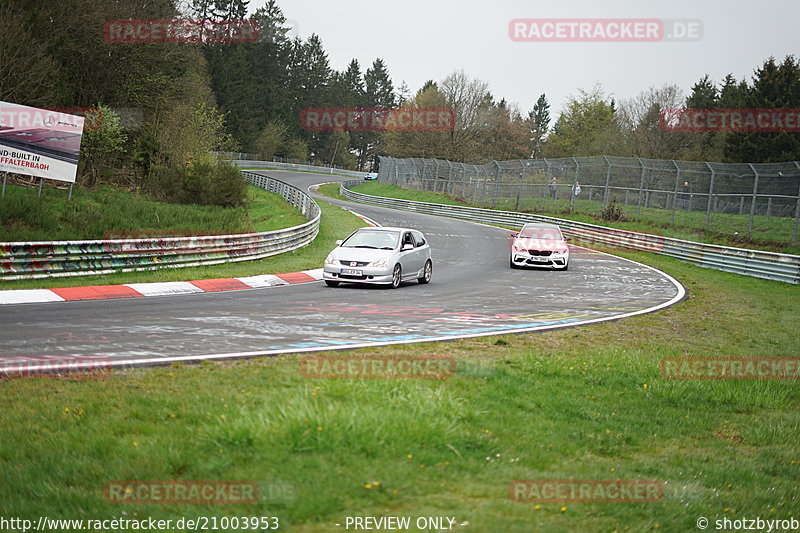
538	123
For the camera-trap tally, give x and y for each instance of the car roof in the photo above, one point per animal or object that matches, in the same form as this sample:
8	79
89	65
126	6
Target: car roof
387	228
543	225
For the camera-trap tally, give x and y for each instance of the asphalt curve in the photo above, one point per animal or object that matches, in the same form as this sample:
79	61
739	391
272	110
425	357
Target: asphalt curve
473	292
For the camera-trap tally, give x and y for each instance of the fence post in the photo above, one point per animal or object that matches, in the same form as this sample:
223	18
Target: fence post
753	204
710	193
608	179
5	175
675	194
521	181
574	185
41	181
796	210
546	177
449	177
475	185
496	182
641	187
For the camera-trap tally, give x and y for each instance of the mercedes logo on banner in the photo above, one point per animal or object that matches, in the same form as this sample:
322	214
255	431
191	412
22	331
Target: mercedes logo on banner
49	121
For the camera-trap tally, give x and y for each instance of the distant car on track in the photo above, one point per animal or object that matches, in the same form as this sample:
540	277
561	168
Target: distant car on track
540	244
380	256
372	176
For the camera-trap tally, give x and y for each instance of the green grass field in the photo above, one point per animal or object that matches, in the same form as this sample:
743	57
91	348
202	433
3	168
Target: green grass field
97	213
336	223
583	403
769	233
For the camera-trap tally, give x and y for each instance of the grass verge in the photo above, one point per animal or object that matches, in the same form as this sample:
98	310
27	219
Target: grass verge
336	223
108	212
582	403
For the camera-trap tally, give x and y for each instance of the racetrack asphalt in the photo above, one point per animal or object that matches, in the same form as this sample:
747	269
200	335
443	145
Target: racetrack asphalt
473	292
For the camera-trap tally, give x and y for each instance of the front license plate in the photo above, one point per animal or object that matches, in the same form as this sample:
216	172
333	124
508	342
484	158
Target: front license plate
350	272
539	259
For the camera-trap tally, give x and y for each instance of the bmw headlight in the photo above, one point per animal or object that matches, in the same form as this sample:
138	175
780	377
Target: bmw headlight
380	263
330	260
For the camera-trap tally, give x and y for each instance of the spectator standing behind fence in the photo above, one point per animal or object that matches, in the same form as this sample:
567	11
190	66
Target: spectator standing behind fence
554	189
685	195
576	189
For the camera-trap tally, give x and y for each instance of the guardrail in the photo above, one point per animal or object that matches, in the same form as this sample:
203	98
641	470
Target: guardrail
298	167
30	260
757	263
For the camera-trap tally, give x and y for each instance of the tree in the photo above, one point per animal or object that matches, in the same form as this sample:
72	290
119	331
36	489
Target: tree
775	86
270	139
582	126
641	118
470	101
538	124
420	143
704	95
403	93
708	145
378	92
25	68
102	143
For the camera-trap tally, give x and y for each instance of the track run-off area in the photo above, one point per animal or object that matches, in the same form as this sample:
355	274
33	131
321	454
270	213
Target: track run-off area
473	292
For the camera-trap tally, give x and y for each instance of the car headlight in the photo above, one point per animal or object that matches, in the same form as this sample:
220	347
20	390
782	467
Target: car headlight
380	263
519	248
330	260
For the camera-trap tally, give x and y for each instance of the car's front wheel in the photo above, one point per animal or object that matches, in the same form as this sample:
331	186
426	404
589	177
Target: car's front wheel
330	283
397	276
426	273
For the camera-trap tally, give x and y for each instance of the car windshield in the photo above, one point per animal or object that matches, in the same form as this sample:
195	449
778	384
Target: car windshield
541	234
383	240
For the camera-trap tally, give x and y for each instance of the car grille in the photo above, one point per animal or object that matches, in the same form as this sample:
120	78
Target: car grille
541	253
357	263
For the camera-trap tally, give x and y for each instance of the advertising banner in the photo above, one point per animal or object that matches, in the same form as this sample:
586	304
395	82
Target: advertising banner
39	142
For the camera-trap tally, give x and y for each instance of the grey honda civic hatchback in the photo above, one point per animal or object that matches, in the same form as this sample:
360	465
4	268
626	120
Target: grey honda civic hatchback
382	256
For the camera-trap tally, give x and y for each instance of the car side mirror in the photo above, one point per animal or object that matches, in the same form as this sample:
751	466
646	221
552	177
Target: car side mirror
567	239
339	242
514	235
407	246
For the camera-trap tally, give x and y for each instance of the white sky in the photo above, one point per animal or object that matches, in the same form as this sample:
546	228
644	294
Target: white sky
428	39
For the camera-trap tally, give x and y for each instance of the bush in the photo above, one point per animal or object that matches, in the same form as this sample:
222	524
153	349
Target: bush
201	183
612	212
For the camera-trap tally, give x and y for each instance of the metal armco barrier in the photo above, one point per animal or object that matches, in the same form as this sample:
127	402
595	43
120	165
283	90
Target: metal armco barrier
31	260
760	264
298	167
